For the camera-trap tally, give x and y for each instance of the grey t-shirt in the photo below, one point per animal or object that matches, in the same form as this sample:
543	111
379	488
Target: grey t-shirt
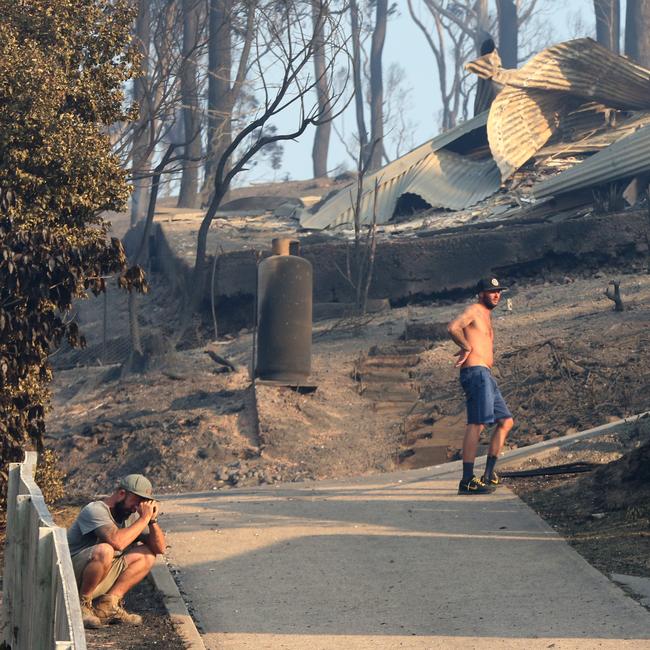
81	534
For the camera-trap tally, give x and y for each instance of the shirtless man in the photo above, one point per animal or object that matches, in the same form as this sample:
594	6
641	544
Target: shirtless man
472	332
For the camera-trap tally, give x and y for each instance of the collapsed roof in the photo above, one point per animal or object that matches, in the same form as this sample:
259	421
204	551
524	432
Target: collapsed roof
562	79
572	101
442	177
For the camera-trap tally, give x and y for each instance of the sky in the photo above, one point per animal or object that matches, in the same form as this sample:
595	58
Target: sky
406	46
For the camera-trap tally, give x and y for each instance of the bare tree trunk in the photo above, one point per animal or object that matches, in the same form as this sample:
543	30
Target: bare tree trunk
136	360
608	23
482	33
486	89
140	152
508	33
377	85
356	75
188	195
219	81
637	31
322	131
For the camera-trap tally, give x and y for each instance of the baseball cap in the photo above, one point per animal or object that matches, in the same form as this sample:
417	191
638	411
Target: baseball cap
489	284
137	484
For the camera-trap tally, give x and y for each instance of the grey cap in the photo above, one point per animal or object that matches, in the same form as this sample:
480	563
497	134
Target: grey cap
137	484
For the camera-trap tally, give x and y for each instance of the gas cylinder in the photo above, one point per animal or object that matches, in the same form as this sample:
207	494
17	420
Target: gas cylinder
284	315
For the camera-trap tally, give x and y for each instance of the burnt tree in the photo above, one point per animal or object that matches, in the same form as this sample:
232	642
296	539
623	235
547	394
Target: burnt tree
637	31
188	194
608	23
377	84
323	130
355	30
226	21
508	32
280	32
140	150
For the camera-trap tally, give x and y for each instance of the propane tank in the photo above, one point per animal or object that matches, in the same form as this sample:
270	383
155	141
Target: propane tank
284	315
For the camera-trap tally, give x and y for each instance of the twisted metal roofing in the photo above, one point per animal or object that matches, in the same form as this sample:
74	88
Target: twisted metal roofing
556	81
622	159
442	178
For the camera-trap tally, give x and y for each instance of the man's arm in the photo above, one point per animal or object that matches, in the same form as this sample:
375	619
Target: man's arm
456	331
121	538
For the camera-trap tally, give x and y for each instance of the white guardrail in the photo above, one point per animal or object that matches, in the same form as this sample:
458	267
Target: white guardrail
40	600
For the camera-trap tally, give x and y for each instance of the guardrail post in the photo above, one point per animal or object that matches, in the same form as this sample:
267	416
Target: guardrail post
44	581
68	622
19	628
11	549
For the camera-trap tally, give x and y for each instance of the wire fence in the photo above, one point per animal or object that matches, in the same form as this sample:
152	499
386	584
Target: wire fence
104	322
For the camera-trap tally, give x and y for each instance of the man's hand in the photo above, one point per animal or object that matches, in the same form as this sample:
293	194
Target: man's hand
462	357
146	509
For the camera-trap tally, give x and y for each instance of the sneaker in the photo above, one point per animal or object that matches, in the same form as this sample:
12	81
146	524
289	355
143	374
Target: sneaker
90	619
474	486
110	610
494	482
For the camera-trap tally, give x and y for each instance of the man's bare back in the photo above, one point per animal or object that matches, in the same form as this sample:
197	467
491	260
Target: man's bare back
472	332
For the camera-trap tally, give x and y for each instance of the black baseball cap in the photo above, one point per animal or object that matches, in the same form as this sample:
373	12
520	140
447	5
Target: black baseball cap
489	284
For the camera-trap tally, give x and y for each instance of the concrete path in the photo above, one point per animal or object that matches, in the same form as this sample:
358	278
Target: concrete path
388	563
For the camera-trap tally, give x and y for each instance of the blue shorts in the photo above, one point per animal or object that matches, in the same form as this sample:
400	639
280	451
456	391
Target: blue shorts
485	404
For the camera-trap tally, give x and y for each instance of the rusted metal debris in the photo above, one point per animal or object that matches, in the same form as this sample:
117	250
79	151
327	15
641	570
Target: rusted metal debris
553	84
625	158
572	117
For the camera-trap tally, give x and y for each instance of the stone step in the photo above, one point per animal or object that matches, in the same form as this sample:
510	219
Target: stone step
392	410
392	361
390	392
397	349
383	375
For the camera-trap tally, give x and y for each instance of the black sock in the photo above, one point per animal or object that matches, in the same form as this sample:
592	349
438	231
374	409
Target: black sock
468	471
489	466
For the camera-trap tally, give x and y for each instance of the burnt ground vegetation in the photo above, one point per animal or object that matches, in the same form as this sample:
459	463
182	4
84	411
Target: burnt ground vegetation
566	361
604	514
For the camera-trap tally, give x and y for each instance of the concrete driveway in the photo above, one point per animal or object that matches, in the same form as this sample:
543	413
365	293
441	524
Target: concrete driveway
388	562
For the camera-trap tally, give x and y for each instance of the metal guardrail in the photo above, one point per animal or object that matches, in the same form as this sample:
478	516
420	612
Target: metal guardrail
40	600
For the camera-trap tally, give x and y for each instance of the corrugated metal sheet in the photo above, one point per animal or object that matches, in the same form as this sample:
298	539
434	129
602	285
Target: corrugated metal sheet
520	123
625	158
554	82
442	178
580	67
589	137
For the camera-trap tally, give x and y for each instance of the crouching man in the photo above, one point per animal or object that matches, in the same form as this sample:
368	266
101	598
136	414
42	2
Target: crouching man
113	544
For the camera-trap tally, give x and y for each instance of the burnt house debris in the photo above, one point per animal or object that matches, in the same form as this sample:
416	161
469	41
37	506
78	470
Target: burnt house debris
569	103
538	179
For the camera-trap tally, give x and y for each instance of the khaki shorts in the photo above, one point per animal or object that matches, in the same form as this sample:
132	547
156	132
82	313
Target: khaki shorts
81	559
